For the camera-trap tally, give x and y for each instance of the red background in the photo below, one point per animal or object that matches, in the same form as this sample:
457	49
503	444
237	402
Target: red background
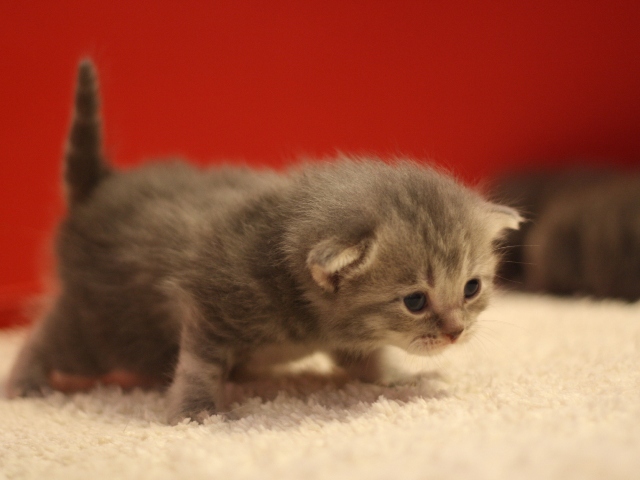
476	86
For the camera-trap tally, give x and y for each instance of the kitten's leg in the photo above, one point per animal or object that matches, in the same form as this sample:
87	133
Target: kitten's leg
197	391
366	367
55	343
29	375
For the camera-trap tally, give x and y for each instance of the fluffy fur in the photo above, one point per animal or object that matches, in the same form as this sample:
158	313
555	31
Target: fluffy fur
195	275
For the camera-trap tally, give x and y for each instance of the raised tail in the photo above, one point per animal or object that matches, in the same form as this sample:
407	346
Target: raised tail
84	163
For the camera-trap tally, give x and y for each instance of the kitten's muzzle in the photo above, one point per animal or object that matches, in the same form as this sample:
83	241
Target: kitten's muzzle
450	327
454	334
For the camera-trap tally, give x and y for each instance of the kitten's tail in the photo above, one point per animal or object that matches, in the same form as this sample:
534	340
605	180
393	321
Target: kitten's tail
84	163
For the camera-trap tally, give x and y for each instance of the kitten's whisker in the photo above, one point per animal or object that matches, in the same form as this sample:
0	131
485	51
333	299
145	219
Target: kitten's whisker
478	343
496	341
509	280
505	322
503	247
414	362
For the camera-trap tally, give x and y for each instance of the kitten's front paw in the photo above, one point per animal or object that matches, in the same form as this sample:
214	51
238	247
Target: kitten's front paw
197	389
367	368
174	418
397	378
194	406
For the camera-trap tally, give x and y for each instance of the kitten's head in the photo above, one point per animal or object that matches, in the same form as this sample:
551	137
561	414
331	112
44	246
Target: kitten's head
400	255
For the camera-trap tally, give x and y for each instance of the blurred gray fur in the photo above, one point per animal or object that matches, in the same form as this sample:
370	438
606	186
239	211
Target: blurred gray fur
584	233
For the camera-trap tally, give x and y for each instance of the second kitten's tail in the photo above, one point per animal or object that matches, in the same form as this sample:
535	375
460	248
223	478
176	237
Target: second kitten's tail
84	163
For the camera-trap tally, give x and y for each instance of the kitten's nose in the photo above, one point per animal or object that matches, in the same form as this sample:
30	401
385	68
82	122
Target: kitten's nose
450	325
453	335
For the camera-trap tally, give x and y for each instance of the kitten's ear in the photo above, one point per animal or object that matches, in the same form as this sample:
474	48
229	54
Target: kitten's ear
503	218
332	260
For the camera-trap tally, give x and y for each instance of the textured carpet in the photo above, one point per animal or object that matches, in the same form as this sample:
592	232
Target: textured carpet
548	389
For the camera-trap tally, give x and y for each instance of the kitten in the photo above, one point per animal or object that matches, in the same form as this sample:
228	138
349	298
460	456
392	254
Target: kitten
196	274
584	237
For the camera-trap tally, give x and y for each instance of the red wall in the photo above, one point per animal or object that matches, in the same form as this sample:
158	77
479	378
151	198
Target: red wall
477	86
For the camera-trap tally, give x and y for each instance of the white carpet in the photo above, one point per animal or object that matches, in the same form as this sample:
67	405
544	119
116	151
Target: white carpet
549	389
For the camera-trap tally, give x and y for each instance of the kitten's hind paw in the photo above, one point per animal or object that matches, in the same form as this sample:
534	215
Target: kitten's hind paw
24	388
29	375
27	379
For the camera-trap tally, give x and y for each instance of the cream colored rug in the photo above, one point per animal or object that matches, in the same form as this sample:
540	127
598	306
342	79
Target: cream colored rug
549	389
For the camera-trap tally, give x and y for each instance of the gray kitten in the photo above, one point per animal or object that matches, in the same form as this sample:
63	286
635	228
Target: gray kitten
195	275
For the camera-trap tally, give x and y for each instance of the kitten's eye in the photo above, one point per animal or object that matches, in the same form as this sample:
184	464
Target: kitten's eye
415	302
471	288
